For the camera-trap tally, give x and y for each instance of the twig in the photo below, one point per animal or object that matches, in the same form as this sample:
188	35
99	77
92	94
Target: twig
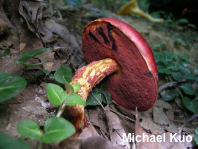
98	101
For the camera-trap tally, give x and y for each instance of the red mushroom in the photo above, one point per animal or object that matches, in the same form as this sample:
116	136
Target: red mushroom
114	48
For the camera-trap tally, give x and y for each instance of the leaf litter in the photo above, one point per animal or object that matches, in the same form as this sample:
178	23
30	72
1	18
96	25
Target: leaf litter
41	24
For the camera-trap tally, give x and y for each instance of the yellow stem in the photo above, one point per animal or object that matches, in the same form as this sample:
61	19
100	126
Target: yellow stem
133	8
88	76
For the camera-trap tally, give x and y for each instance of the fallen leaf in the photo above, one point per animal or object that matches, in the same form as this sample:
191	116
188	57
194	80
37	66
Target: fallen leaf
164	86
3	27
117	128
148	124
89	131
48	66
159	116
22	46
145	140
89	143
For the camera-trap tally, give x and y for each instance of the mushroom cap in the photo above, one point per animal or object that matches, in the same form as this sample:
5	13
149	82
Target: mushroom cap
136	82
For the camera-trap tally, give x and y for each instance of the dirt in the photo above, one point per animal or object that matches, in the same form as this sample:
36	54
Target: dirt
32	103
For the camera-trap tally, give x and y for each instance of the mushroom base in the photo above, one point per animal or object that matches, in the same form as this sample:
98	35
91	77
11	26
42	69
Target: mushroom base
88	76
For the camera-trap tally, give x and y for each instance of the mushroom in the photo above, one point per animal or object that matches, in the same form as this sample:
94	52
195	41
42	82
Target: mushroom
115	50
133	8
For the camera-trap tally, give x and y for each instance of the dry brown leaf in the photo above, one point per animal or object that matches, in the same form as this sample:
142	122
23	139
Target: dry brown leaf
117	128
145	140
97	118
159	116
89	143
3	27
62	31
89	132
148	124
3	15
8	65
163	104
164	86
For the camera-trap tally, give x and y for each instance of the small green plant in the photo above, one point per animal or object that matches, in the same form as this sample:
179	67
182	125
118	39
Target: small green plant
6	52
98	92
175	69
27	55
10	85
185	22
7	142
55	128
196	136
76	3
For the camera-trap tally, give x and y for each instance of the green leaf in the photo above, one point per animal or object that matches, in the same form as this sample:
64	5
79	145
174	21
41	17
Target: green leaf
182	21
46	72
185	63
29	129
177	76
69	88
187	88
167	55
27	64
191	25
196	94
10	85
196	130
190	77
56	94
163	69
27	55
184	58
196	70
76	3
157	55
97	13
159	45
17	61
170	94
39	73
175	56
190	105
74	99
163	60
5	52
51	76
108	95
31	65
76	87
57	129
91	99
7	142
196	138
63	74
172	66
183	69
102	87
178	40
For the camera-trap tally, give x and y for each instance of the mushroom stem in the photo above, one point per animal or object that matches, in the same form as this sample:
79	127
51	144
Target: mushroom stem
88	76
133	8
